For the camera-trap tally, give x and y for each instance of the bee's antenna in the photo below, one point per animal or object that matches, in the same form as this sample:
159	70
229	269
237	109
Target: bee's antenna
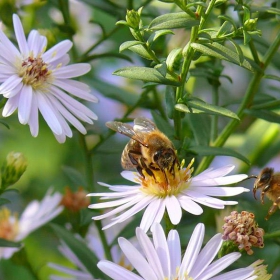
250	177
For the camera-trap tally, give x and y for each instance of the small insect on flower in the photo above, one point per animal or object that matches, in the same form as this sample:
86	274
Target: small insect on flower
149	150
269	183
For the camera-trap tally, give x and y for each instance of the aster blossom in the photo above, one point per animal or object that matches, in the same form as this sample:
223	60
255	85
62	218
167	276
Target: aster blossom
157	195
161	258
34	80
35	215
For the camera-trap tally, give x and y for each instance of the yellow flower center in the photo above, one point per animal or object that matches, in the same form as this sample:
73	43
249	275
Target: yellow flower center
34	72
164	183
9	227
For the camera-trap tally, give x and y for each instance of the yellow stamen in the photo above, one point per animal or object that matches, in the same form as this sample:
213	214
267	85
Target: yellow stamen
9	227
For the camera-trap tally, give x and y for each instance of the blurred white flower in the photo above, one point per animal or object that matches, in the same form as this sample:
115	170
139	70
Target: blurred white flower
157	195
34	79
93	241
162	258
34	216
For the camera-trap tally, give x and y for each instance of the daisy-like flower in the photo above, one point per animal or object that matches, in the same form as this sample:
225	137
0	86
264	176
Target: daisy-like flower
157	195
161	259
93	241
34	79
34	216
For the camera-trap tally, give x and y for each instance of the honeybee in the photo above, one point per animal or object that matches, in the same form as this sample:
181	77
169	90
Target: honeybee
269	183
148	149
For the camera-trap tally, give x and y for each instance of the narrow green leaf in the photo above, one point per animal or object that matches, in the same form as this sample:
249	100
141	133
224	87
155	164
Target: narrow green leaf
272	77
173	57
219	51
155	35
5	124
209	108
239	51
7	243
225	29
170	101
140	50
275	104
79	248
173	21
4	201
229	19
217	151
75	176
145	74
129	44
266	115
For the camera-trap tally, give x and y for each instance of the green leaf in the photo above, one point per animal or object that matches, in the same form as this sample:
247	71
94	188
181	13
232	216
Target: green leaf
79	248
155	35
239	51
163	125
7	243
173	21
225	29
75	176
4	201
204	107
5	124
129	44
217	151
224	53
272	77
275	104
266	115
170	101
229	19
145	74
140	50
173	57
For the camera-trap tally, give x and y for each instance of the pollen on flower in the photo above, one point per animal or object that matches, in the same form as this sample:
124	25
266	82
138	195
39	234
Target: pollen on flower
34	72
260	270
9	227
242	229
165	183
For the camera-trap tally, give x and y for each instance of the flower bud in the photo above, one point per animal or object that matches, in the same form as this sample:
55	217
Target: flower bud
250	24
12	169
133	18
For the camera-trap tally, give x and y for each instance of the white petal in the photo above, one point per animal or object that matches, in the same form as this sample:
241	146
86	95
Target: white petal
48	114
71	71
75	88
192	250
24	104
150	214
110	204
16	90
33	118
219	191
11	83
36	42
173	209
7	47
117	272
206	255
162	249
237	274
130	175
11	105
23	47
190	206
174	246
213	173
150	253
219	265
137	260
57	51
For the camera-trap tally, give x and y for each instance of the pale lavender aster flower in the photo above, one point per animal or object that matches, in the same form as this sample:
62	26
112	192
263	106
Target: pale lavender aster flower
162	258
154	194
35	215
34	79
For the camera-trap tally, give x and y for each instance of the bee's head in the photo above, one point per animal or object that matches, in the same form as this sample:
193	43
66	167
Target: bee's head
263	180
164	158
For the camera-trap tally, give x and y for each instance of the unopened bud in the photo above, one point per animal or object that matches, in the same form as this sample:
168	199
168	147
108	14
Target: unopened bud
133	18
250	24
12	169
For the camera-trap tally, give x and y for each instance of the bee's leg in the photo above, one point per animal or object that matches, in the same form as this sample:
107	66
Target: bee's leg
262	196
134	157
273	208
139	169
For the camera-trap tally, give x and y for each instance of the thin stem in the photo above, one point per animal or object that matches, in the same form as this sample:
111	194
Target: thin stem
246	103
214	123
254	52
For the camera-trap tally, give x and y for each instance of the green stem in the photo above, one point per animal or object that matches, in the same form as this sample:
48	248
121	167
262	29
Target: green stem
88	164
246	103
104	242
254	52
214	123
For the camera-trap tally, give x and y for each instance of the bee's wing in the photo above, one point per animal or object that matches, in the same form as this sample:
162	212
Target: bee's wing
125	129
143	124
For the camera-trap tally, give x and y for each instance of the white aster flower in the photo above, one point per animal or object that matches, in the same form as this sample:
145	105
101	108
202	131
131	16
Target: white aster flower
34	216
157	195
34	79
162	258
94	243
